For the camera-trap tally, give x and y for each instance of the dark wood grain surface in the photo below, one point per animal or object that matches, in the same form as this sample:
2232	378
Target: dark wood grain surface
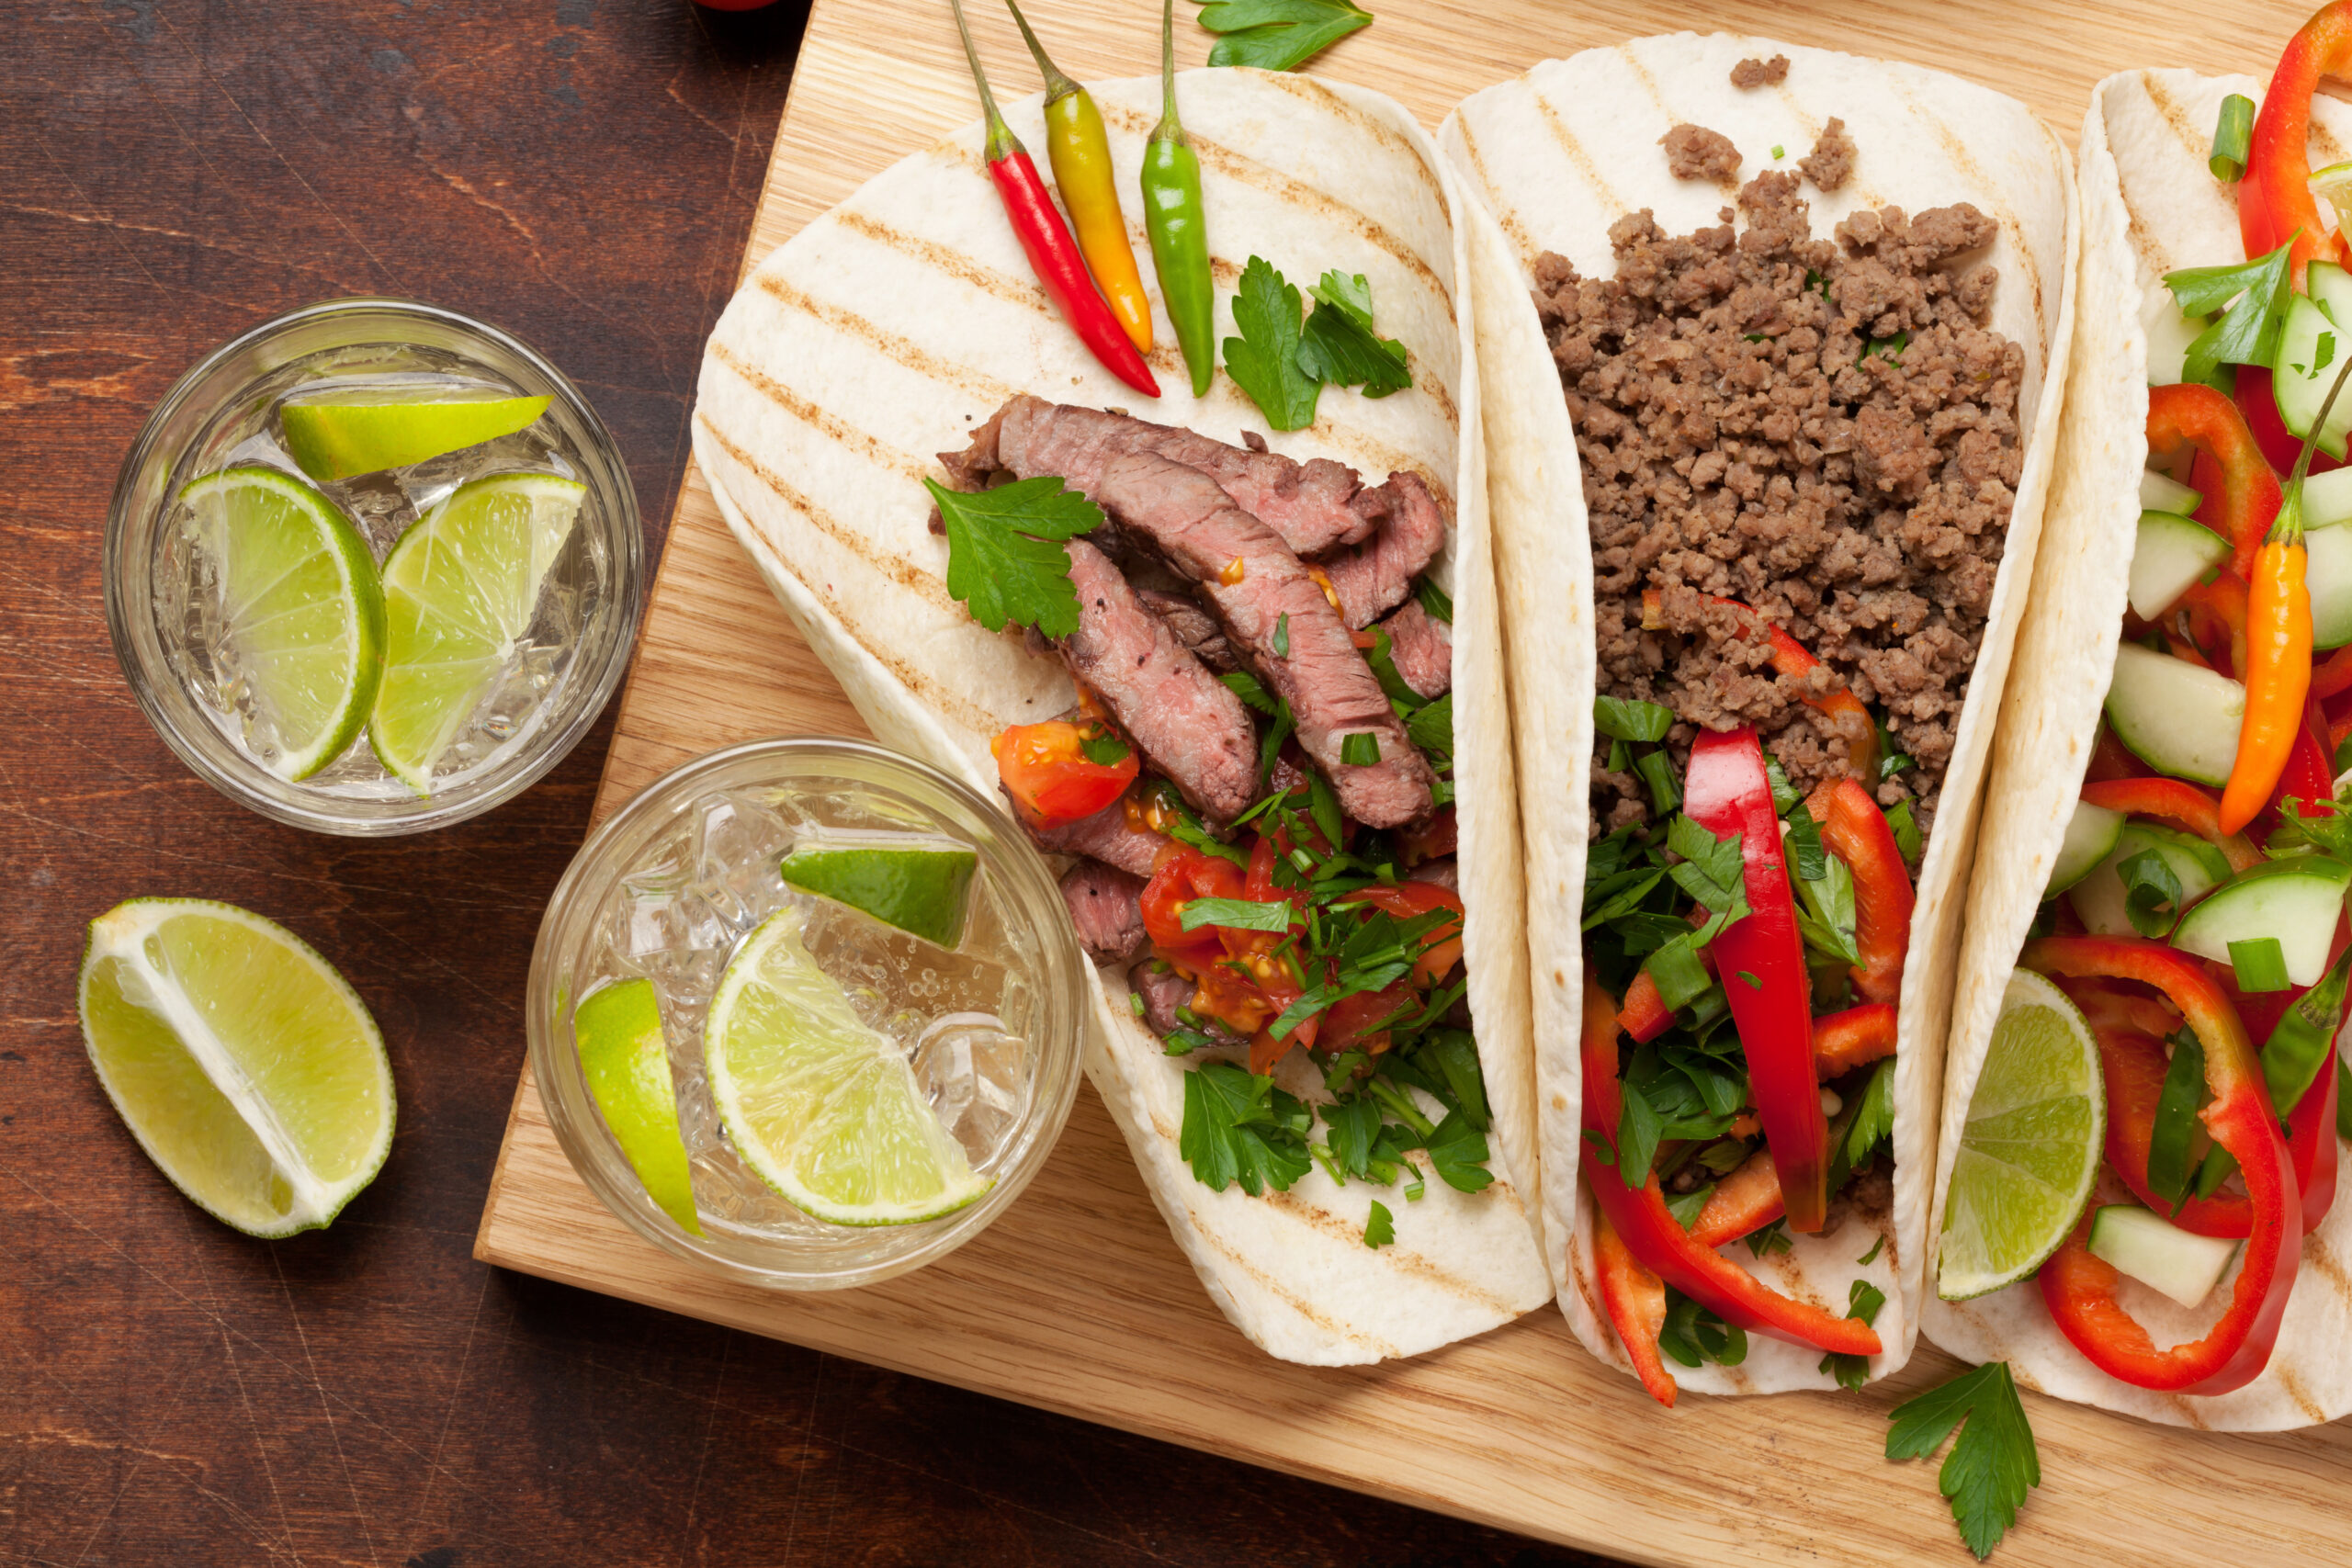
581	172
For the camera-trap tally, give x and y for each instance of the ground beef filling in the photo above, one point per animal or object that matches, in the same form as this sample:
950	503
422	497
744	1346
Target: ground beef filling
1823	431
1760	73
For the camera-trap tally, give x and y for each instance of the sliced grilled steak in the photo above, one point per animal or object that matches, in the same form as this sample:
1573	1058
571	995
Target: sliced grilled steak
1373	578
1106	836
1163	991
1192	727
1445	872
1316	505
1194	627
1422	648
1105	904
1268	598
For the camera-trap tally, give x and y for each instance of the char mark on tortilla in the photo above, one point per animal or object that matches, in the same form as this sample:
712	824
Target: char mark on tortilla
1107	835
1277	618
1422	649
1187	722
1106	905
1315	506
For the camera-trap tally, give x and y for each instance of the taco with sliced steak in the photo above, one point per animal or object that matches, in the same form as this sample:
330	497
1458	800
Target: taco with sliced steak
1246	683
1785	331
2160	893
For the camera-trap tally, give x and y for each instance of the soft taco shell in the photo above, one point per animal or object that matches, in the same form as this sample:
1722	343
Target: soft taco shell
2150	205
1557	156
883	332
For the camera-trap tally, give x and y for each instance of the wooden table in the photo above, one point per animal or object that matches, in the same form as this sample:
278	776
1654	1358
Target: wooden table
581	172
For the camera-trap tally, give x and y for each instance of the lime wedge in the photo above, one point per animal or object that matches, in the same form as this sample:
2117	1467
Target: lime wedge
302	618
920	886
619	1029
824	1107
2029	1151
2335	182
245	1066
364	431
459	591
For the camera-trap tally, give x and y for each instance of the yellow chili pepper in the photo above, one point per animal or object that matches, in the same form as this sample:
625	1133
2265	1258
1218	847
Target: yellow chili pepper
1080	155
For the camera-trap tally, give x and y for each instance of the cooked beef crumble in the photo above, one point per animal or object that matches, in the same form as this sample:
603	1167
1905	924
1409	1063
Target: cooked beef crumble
1824	432
1694	152
1831	163
1760	73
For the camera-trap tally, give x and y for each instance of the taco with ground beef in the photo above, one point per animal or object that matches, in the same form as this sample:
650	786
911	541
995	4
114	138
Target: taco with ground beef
1784	332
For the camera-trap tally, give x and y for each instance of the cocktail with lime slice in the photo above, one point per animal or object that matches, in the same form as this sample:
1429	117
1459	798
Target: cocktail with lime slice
373	568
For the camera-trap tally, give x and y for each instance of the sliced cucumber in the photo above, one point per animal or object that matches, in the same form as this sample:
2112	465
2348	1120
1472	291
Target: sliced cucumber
2327	499
2172	553
2177	716
2169	333
2327	571
2099	897
2160	1255
2295	900
2090	839
2162	493
2311	349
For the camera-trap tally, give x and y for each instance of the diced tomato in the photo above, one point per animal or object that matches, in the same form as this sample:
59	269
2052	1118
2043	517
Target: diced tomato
1409	900
1350	1020
1183	877
1047	772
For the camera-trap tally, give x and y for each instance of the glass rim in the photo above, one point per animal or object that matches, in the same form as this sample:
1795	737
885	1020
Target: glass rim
589	1144
210	754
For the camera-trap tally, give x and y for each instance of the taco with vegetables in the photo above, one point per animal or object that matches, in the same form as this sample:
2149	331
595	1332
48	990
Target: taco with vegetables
1806	314
1234	658
2154	974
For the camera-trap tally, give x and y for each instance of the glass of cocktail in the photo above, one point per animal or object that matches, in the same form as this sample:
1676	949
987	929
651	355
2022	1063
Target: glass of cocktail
373	567
823	1098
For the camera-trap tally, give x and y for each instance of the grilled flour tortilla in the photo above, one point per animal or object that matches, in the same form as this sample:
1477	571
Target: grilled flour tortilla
2150	205
893	327
1556	158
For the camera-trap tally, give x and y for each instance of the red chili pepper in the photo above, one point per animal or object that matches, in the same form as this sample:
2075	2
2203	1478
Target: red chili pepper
1655	1240
2335	677
1855	831
1050	778
1761	960
2080	1289
1634	1299
1045	240
1791	657
2181	803
2242	504
2275	200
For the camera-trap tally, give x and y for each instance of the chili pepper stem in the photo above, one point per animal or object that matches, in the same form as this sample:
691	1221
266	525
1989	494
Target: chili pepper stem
1058	86
1001	142
1168	128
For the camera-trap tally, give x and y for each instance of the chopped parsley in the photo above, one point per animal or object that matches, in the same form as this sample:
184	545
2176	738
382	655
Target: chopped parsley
1251	690
1240	1127
1005	559
1862	1301
2151	892
1379	1226
2248	332
1339	347
1102	748
1263	361
1241	914
1435	602
1772	1239
1692	1334
1630	718
1278	35
1359	748
1992	1466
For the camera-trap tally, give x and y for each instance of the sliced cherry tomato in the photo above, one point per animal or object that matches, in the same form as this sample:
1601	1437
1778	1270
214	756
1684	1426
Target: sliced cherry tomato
1183	876
1349	1018
1047	772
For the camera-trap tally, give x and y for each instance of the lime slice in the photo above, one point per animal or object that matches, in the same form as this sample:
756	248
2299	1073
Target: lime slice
459	591
302	618
245	1066
2029	1151
824	1107
2335	182
920	886
619	1029
366	429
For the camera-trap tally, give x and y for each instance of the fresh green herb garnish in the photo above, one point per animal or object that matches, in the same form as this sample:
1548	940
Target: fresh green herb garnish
1907	831
1102	748
1666	792
1339	347
2232	133
1435	602
1872	1256
1993	1465
1692	1334
1895	763
1238	914
1431	725
1630	718
1005	559
1379	1226
2177	1108
1263	361
2260	964
1772	1239
1786	797
1240	1127
1276	733
1282	635
2151	892
2248	333
1251	690
1277	35
1862	1301
1359	748
1873	1122
1687	1207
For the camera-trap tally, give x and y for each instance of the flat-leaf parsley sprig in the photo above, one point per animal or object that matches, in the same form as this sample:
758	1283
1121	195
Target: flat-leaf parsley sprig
1005	559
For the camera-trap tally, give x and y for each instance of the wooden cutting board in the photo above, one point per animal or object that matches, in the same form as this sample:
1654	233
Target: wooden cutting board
1076	1299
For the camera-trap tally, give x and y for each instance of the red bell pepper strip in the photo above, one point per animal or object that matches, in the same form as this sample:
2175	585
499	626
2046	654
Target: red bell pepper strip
1411	900
2217	620
2335	677
2079	1290
1742	1203
1658	1242
2308	778
1645	1015
2252	391
2275	200
2181	803
1855	1038
1855	831
1791	657
2242	504
2310	1143
2110	759
2133	1067
1045	240
1634	1299
1761	960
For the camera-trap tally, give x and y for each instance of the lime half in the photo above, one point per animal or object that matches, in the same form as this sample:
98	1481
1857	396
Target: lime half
619	1029
2029	1151
366	429
245	1066
824	1107
458	593
2335	182
920	887
301	616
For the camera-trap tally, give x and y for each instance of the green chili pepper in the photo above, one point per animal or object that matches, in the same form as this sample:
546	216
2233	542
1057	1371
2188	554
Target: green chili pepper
1172	216
2299	1045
